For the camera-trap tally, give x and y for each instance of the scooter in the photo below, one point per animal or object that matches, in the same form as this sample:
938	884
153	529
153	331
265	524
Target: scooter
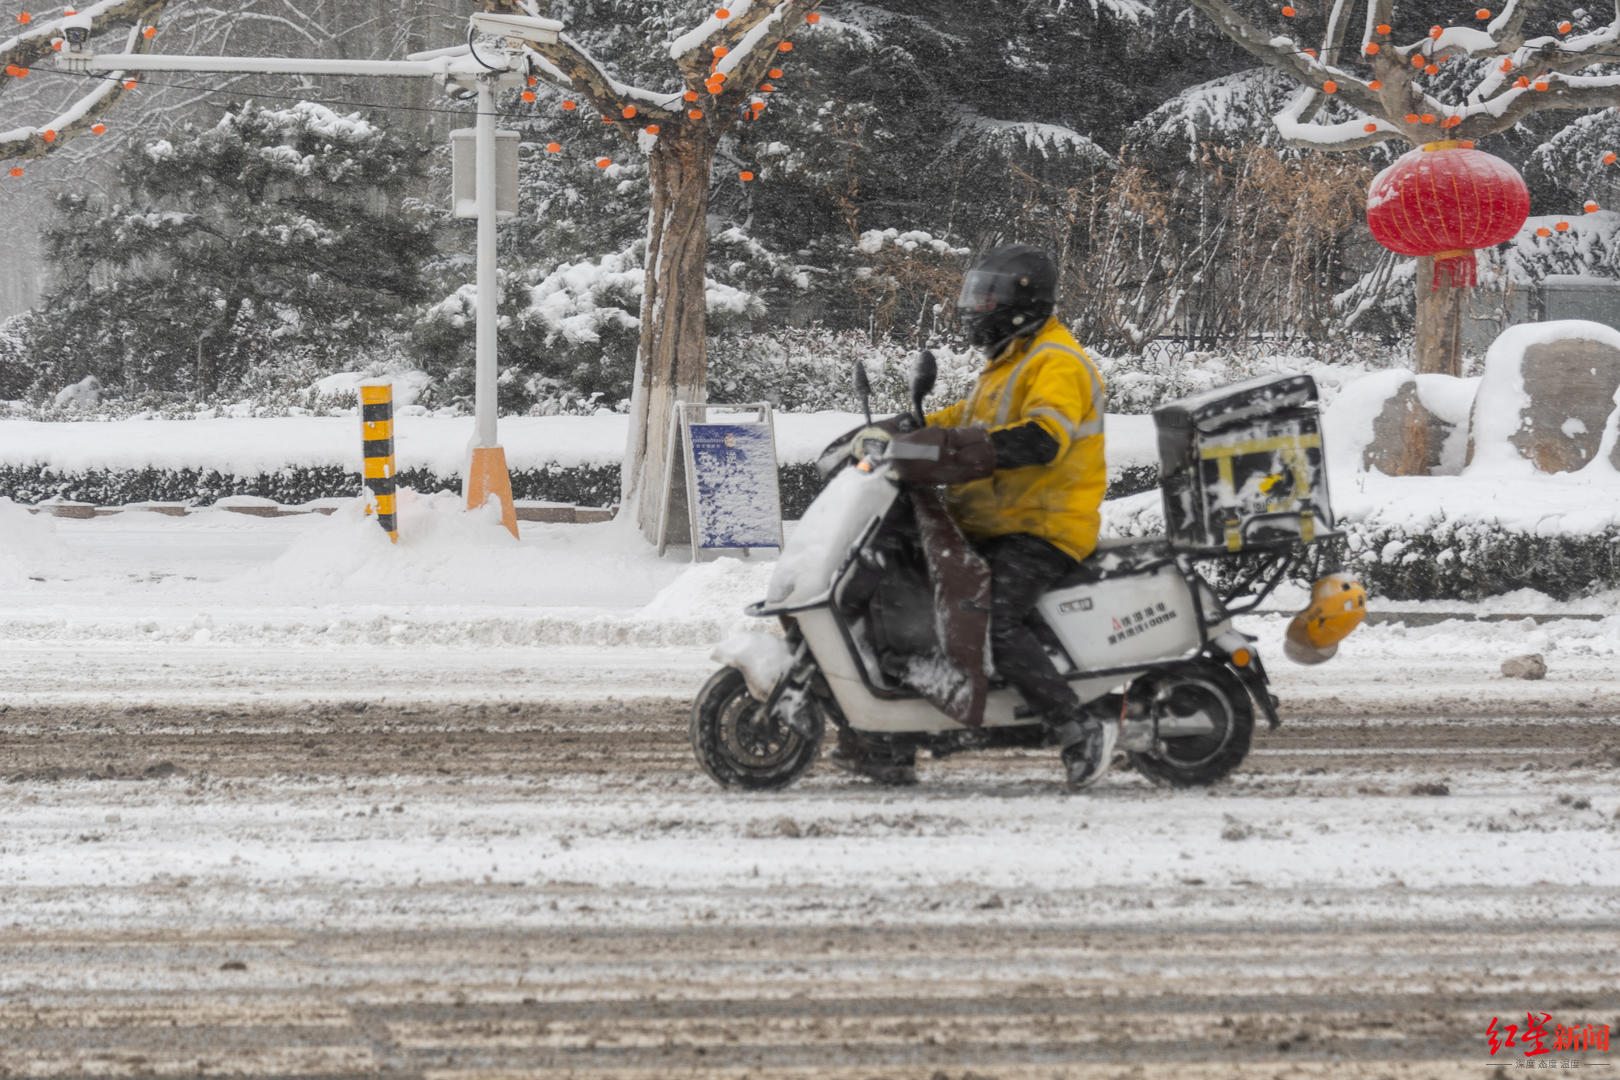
1144	636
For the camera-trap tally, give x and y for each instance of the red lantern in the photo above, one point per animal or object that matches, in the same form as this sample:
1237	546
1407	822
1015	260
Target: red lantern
1445	200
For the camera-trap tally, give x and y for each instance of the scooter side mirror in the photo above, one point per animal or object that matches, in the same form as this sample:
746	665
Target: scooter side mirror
863	390
924	373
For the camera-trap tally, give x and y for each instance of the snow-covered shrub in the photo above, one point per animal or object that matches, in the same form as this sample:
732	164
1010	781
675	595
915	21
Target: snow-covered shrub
302	382
1470	560
569	334
83	396
1437	559
811	369
905	283
1142	383
586	485
1588	244
566	335
581	485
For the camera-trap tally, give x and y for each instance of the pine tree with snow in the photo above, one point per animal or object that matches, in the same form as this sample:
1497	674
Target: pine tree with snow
275	234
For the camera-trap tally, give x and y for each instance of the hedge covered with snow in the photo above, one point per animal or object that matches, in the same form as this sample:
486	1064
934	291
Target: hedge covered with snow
292	460
1470	560
580	485
583	485
1402	551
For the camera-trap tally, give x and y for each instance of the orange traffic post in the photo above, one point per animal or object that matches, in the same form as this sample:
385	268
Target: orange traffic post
377	446
487	478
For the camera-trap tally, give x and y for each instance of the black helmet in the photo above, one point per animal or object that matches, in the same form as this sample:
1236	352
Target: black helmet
1011	291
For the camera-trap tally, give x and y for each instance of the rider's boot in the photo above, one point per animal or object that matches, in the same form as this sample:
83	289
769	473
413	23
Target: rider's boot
1088	749
873	760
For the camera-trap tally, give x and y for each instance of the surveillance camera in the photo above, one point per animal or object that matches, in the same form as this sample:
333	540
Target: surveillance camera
76	29
522	28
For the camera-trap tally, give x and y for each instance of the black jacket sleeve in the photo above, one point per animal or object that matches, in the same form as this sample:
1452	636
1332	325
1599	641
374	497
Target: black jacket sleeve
1026	444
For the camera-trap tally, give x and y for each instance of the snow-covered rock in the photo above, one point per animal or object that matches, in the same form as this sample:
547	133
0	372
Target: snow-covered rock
1400	424
1547	398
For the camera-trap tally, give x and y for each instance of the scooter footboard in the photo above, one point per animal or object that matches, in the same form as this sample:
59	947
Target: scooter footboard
869	711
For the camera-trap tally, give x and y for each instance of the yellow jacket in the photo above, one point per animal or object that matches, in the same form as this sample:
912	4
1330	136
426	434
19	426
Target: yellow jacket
1050	380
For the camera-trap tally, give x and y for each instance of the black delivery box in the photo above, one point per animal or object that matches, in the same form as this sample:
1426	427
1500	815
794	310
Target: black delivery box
1241	467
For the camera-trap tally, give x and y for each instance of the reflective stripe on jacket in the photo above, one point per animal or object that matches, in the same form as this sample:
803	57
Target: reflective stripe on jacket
1047	379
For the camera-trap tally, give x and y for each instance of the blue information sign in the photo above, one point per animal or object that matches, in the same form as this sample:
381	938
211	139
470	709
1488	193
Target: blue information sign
737	503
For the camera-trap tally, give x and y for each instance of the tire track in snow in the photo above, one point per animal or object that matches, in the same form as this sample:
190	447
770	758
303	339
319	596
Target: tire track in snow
255	910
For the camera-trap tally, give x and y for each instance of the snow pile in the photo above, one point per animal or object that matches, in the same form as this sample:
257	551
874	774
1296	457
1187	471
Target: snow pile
715	591
29	547
458	577
250	446
457	559
349	552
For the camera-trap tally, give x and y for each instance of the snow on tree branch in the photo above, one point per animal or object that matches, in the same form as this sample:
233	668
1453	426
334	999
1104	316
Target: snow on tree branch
569	65
748	40
1536	74
29	48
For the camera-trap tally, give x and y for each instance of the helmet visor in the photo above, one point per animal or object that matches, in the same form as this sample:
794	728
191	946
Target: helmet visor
985	290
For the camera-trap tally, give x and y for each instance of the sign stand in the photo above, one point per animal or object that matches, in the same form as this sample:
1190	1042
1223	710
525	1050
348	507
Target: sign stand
733	495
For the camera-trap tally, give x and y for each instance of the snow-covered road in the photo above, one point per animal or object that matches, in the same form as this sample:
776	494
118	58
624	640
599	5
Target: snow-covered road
475	891
279	798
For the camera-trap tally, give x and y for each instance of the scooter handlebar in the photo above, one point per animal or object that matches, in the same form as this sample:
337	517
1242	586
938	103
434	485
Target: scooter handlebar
869	443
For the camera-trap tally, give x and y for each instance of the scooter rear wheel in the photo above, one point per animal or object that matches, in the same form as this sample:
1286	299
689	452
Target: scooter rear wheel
740	745
1201	760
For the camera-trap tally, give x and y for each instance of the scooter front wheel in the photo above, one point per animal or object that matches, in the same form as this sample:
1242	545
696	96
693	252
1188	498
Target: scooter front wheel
740	744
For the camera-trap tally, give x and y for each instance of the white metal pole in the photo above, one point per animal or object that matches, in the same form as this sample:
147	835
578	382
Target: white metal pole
488	281
256	65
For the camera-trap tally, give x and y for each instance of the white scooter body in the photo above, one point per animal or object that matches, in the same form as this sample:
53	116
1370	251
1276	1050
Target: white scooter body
1116	627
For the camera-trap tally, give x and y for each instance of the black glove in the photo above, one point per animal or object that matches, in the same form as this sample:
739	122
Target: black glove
943	455
834	453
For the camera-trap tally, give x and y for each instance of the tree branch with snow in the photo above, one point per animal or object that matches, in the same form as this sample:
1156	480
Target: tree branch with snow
1536	74
748	40
29	48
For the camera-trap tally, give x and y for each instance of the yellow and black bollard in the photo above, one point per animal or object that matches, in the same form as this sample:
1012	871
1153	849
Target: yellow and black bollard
377	433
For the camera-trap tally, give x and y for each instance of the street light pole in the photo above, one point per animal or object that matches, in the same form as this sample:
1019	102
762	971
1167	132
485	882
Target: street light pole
488	273
487	475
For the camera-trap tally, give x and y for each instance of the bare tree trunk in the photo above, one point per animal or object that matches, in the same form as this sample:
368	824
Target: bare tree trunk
671	360
1439	324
